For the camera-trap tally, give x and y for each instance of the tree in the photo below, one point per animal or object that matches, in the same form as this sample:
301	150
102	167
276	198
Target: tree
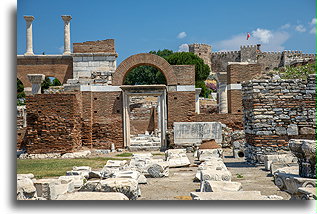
20	93
201	69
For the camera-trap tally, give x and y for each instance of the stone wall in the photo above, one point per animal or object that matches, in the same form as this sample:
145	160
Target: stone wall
203	51
54	123
276	111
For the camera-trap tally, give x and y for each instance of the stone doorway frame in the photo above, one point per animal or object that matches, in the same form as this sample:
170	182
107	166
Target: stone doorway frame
145	90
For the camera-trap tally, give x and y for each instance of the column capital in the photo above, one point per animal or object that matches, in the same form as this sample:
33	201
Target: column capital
66	18
29	18
36	78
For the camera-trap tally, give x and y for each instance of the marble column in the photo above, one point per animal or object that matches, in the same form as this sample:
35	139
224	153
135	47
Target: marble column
66	19
36	80
222	95
29	35
197	105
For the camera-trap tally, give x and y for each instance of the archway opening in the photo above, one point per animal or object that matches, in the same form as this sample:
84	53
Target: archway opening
144	108
145	75
49	82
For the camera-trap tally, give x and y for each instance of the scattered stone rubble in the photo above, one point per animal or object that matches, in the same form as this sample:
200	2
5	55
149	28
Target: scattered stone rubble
215	181
299	181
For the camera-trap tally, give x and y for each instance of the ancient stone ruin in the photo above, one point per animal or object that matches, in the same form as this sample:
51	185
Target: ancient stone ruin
259	122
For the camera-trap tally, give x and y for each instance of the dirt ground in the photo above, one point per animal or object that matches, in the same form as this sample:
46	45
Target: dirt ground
180	183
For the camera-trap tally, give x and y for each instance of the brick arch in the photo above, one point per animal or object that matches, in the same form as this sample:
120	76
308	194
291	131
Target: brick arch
60	67
144	59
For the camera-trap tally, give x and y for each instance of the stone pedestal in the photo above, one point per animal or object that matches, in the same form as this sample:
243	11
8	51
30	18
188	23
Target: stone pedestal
36	80
291	183
305	151
29	36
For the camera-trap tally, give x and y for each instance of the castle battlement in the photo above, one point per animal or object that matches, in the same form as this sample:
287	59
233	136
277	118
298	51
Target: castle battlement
248	46
225	53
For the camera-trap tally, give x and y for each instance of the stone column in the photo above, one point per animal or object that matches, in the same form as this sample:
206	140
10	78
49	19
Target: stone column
36	80
197	106
66	19
29	39
222	95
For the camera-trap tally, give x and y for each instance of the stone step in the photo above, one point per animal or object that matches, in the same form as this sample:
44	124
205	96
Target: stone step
145	144
134	148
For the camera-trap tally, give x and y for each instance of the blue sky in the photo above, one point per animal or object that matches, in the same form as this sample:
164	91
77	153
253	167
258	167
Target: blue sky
144	25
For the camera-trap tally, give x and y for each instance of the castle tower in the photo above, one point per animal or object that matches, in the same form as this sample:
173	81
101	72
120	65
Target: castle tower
249	53
203	51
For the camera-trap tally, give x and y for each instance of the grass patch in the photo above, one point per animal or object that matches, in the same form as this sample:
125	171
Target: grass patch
42	168
154	154
126	154
239	175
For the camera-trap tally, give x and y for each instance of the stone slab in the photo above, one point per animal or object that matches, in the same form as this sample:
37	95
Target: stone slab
192	133
239	195
93	196
220	186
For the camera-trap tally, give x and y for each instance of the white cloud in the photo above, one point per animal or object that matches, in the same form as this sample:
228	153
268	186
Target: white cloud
313	23
286	26
269	40
183	48
300	28
313	30
263	35
181	35
61	49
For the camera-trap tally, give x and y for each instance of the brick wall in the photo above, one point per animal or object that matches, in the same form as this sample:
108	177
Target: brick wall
276	111
185	74
107	120
181	107
60	67
239	72
54	123
104	46
143	114
234	101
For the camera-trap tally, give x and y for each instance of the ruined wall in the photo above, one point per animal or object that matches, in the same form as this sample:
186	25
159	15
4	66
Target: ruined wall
237	73
276	111
54	123
107	119
103	46
60	67
185	74
143	114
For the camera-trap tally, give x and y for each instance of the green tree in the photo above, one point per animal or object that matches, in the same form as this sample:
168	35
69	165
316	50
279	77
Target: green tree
45	84
20	93
201	69
56	82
